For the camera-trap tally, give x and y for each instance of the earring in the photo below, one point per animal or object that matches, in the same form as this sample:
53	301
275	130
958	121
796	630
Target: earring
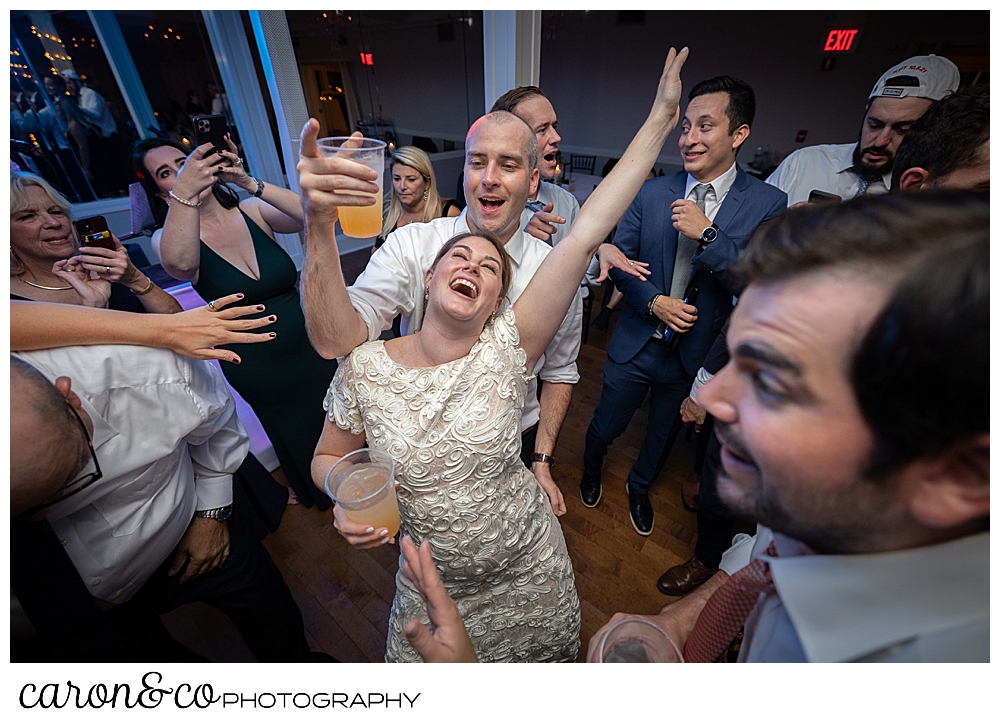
427	293
425	194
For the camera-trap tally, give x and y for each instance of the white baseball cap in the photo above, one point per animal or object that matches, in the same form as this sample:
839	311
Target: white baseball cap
922	76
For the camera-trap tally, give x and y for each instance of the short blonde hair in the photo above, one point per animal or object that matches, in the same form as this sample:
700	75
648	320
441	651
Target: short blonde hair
20	181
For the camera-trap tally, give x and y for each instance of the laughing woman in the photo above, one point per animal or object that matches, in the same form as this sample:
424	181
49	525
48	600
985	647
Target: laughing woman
446	403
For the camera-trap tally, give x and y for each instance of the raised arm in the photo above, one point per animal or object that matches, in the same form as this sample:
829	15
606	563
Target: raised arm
177	243
334	326
541	307
277	207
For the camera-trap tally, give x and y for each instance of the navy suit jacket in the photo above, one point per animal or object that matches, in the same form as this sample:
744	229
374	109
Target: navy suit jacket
646	233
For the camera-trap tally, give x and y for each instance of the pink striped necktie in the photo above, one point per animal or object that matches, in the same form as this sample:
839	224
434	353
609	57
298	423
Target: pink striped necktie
727	610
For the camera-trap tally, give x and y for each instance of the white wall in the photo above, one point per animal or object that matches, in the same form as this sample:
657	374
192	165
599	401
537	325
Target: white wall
601	77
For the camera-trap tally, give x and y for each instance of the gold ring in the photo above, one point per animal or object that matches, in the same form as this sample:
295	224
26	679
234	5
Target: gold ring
211	305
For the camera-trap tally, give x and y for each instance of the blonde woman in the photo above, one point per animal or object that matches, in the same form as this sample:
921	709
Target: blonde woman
415	196
46	263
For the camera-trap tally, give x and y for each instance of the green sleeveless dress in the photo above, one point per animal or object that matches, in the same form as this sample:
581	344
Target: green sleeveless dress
284	380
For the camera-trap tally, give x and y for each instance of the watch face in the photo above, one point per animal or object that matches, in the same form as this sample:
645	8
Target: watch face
709	234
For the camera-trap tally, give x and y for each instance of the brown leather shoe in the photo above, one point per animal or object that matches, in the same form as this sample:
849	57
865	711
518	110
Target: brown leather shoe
689	490
682	579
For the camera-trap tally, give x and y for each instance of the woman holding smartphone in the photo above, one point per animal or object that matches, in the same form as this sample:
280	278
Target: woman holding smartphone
47	265
224	246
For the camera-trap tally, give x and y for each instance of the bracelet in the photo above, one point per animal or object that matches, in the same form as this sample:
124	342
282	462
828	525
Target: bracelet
149	287
260	187
542	457
652	302
181	200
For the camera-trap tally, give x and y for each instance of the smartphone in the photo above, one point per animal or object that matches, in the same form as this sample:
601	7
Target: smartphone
818	196
94	231
211	129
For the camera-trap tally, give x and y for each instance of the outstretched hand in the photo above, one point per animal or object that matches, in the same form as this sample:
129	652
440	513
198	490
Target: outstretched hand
324	180
449	643
612	257
195	333
666	106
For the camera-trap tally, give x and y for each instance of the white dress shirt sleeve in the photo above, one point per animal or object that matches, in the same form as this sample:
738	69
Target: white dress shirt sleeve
559	360
219	444
391	284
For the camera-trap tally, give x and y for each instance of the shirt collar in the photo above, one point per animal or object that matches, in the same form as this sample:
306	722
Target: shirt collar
103	429
515	247
846	606
720	184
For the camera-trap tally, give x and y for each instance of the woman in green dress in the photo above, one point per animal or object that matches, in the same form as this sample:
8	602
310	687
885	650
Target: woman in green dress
224	246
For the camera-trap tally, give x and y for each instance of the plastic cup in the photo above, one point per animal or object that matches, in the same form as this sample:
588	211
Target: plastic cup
362	484
635	640
359	221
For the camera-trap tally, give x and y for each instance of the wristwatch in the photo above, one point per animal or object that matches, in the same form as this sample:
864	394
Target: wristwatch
542	457
709	234
219	513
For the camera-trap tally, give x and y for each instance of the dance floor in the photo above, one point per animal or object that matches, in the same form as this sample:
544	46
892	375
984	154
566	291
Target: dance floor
345	594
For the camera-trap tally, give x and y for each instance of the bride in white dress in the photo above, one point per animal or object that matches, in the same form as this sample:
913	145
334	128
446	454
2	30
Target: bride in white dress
446	403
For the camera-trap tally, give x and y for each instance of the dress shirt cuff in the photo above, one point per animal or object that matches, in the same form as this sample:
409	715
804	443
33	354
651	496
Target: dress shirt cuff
702	378
738	556
560	375
213	492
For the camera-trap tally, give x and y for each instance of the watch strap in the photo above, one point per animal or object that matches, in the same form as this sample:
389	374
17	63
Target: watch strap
542	457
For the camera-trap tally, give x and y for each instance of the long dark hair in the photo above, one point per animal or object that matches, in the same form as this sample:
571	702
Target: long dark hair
223	193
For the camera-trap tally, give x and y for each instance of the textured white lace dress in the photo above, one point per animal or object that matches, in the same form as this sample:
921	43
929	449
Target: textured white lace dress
454	431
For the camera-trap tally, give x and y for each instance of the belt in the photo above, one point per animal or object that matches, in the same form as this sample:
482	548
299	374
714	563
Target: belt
529	429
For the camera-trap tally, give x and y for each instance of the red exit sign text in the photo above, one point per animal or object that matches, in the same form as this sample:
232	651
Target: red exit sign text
840	41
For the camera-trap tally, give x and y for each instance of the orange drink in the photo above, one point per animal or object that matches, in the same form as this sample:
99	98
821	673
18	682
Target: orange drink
362	483
359	221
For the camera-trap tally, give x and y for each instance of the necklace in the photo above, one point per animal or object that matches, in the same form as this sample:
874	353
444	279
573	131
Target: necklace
47	288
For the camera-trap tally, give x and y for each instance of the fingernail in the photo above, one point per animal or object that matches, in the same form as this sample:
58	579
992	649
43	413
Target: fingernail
239	296
260	307
370	529
272	335
383	533
272	317
386	541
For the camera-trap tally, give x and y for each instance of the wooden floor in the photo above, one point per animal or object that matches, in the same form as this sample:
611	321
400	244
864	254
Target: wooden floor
345	594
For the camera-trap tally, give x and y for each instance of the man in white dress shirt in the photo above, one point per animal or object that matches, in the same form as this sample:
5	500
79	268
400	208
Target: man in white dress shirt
559	206
900	97
854	422
155	529
500	169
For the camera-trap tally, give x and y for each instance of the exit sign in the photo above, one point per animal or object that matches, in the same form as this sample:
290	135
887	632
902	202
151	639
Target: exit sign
840	40
366	59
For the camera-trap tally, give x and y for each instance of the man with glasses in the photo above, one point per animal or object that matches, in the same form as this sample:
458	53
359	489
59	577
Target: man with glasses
131	451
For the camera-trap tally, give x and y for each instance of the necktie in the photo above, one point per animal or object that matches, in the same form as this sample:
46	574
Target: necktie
863	184
686	248
727	610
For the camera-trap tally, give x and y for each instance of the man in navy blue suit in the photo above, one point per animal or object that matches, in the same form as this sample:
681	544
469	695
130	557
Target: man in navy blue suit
689	227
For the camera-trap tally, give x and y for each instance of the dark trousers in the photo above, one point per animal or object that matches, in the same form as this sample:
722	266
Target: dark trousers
715	521
528	445
659	371
247	587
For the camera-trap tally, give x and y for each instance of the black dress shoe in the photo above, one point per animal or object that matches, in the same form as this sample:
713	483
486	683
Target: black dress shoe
590	490
640	511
